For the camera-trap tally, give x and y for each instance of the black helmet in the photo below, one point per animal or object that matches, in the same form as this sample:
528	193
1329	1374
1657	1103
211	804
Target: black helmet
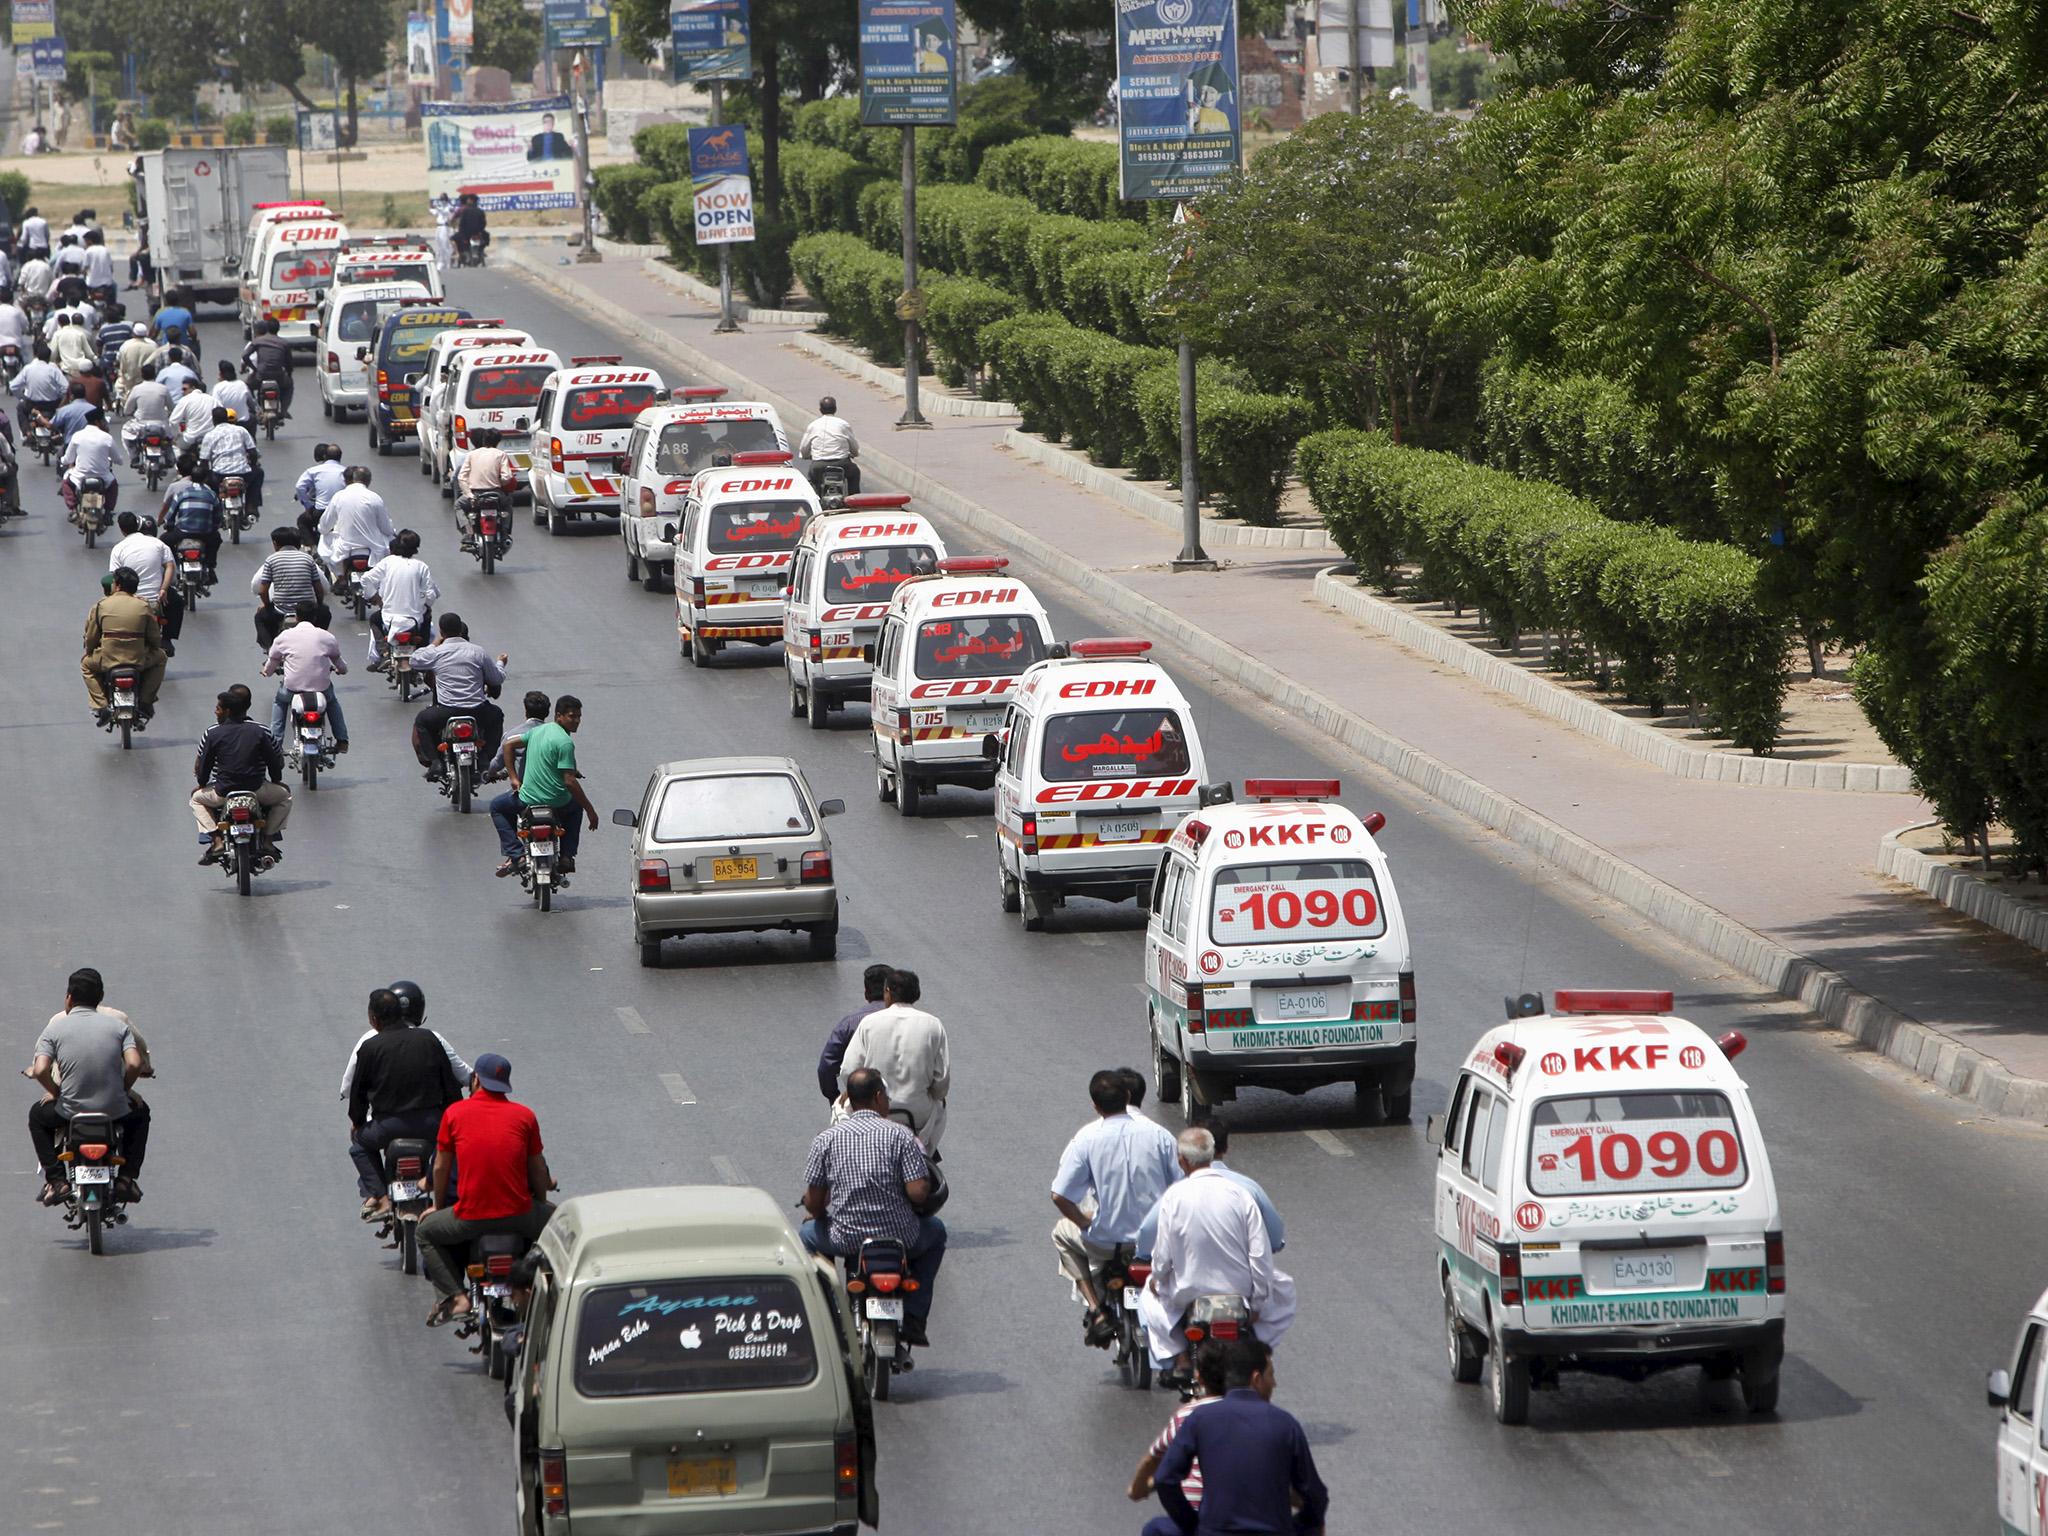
412	1002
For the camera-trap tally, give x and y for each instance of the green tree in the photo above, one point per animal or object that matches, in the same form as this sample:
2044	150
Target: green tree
508	37
356	34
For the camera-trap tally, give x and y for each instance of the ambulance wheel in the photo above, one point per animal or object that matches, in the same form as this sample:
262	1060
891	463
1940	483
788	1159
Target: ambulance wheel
1397	1106
796	698
814	709
909	794
1013	900
1193	1108
1033	905
1462	1348
701	652
1165	1074
632	565
557	525
1510	1383
885	791
1760	1388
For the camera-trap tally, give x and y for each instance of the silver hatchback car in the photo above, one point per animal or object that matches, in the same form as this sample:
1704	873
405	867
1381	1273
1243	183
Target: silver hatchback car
731	845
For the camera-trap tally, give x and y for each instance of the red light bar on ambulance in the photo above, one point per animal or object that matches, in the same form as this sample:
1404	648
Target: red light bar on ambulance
1582	1001
761	456
875	501
592	362
474	323
973	565
1292	789
702	392
1109	647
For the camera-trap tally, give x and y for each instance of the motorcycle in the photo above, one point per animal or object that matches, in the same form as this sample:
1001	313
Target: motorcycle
537	871
191	571
37	307
92	516
11	359
877	1279
42	440
348	582
156	455
235	511
828	479
458	761
489	1283
469	253
1209	1317
241	818
491	522
399	646
406	1165
1118	1280
123	713
91	1154
310	744
269	408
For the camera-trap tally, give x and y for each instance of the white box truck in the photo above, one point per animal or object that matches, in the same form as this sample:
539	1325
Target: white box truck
196	206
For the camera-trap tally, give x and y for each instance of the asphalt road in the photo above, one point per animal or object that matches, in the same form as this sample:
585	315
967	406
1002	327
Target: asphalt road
246	1358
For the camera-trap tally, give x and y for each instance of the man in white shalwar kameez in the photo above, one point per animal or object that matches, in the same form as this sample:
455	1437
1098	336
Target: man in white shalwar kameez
908	1047
1211	1242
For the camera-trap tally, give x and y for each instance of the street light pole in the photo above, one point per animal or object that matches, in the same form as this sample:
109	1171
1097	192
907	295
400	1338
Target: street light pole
726	322
580	105
909	305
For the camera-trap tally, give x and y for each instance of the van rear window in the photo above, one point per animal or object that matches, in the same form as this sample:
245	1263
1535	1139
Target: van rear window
605	407
1281	903
1635	1143
873	574
688	446
505	389
741	527
1114	744
693	1336
998	645
297	267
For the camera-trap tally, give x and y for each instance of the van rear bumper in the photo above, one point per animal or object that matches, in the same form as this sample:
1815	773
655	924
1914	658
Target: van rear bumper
1311	1067
1668	1346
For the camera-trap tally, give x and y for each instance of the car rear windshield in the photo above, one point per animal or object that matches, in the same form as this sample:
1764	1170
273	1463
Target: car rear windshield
1114	744
741	527
411	340
693	1336
506	389
1633	1143
605	407
688	446
1282	903
873	574
731	809
992	645
297	267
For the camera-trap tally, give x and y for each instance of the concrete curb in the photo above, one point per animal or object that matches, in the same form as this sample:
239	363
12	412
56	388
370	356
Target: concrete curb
1119	488
890	380
1947	1063
1678	758
704	293
1960	890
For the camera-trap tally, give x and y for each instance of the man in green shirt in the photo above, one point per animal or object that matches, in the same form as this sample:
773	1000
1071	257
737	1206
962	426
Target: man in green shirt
548	776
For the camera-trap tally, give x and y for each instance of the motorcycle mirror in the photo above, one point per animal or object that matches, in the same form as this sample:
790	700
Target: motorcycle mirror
625	818
867	654
831	807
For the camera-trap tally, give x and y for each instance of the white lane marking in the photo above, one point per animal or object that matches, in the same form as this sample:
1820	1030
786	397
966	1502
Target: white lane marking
727	1171
1092	940
677	1088
1328	1141
630	1017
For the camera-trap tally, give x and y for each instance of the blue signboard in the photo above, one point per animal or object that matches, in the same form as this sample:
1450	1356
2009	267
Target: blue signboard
908	52
46	59
717	152
710	40
578	23
1176	66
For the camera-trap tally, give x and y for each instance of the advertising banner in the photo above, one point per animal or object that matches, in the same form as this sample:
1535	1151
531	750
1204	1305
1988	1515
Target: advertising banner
34	20
1375	32
723	185
710	40
1177	119
48	56
511	154
577	23
419	48
907	60
319	131
462	25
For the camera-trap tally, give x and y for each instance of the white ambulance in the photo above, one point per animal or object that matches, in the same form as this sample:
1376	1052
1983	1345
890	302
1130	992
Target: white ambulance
349	318
1096	765
1277	955
432	400
1604	1203
2017	1392
388	259
667	446
734	546
951	650
847	567
490	388
261	219
291	266
580	427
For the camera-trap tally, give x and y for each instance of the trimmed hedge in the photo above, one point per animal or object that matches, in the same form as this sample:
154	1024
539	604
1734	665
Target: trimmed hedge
957	310
858	286
1244	440
666	148
14	191
821	187
1074	384
1682	619
836	124
617	189
1059	175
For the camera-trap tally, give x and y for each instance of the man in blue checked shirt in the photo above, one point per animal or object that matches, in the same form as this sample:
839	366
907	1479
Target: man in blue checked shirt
1125	1163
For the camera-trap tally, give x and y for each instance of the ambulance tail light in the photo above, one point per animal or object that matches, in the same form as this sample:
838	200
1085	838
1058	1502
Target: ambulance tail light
973	565
702	392
1291	789
1510	1273
697	591
875	501
1029	832
1774	1263
1509	1056
1408	997
1194	998
461	425
333	361
1110	647
646	502
903	725
761	456
815	640
652	874
1580	1000
1373	822
383	385
1733	1044
555	454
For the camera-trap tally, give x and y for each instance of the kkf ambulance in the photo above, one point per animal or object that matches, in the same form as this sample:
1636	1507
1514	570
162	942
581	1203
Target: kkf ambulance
1604	1203
581	423
847	567
737	538
1096	766
1277	955
951	650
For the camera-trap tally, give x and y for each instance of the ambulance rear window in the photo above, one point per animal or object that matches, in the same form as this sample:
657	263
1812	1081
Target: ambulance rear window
688	446
1635	1143
297	267
1283	903
997	645
1114	744
605	407
872	574
506	388
740	527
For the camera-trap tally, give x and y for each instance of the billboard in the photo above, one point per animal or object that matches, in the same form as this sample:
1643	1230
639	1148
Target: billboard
34	20
577	23
419	48
908	53
722	185
1177	119
511	154
1375	32
462	25
710	40
46	55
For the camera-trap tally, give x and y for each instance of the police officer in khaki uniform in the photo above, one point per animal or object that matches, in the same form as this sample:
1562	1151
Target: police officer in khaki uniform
121	631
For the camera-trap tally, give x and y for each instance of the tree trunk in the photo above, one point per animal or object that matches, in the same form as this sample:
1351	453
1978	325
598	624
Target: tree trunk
771	131
349	139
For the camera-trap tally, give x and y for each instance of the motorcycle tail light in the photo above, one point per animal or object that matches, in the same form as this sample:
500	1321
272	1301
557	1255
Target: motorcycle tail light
1195	1333
653	875
232	485
93	1151
888	1284
817	867
846	1464
241	813
408	1167
359	562
498	1265
311	717
554	1483
1223	1328
1139	1273
463	730
475	1271
490	524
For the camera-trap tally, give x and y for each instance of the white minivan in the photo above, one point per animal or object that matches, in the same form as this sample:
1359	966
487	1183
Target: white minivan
433	398
292	266
495	389
1604	1203
349	322
2017	1392
951	650
667	446
737	536
848	565
580	429
1277	955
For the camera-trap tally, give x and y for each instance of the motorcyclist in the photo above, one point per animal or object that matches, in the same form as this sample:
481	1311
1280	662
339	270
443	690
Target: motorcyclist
40	386
191	510
175	315
486	467
401	1082
145	404
305	658
1119	1165
402	586
191	412
412	1003
227	449
72	344
355	521
234	394
830	440
316	487
512	750
237	754
14	324
490	1150
289	577
90	452
466	681
269	356
122	631
87	1059
546	775
70	416
173	368
472	229
908	1047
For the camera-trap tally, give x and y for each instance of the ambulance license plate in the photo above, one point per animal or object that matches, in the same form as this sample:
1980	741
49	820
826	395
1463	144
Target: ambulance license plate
1645	1269
1294	1004
978	721
1117	829
766	586
736	869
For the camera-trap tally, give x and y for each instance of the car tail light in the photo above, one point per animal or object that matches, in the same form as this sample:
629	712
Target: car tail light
1193	998
816	641
646	502
697	591
463	730
887	1284
383	385
1029	832
334	362
554	1483
409	1168
653	875
816	867
93	1151
1139	1273
498	1265
1510	1269
555	454
1407	997
461	427
1774	1263
846	1465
